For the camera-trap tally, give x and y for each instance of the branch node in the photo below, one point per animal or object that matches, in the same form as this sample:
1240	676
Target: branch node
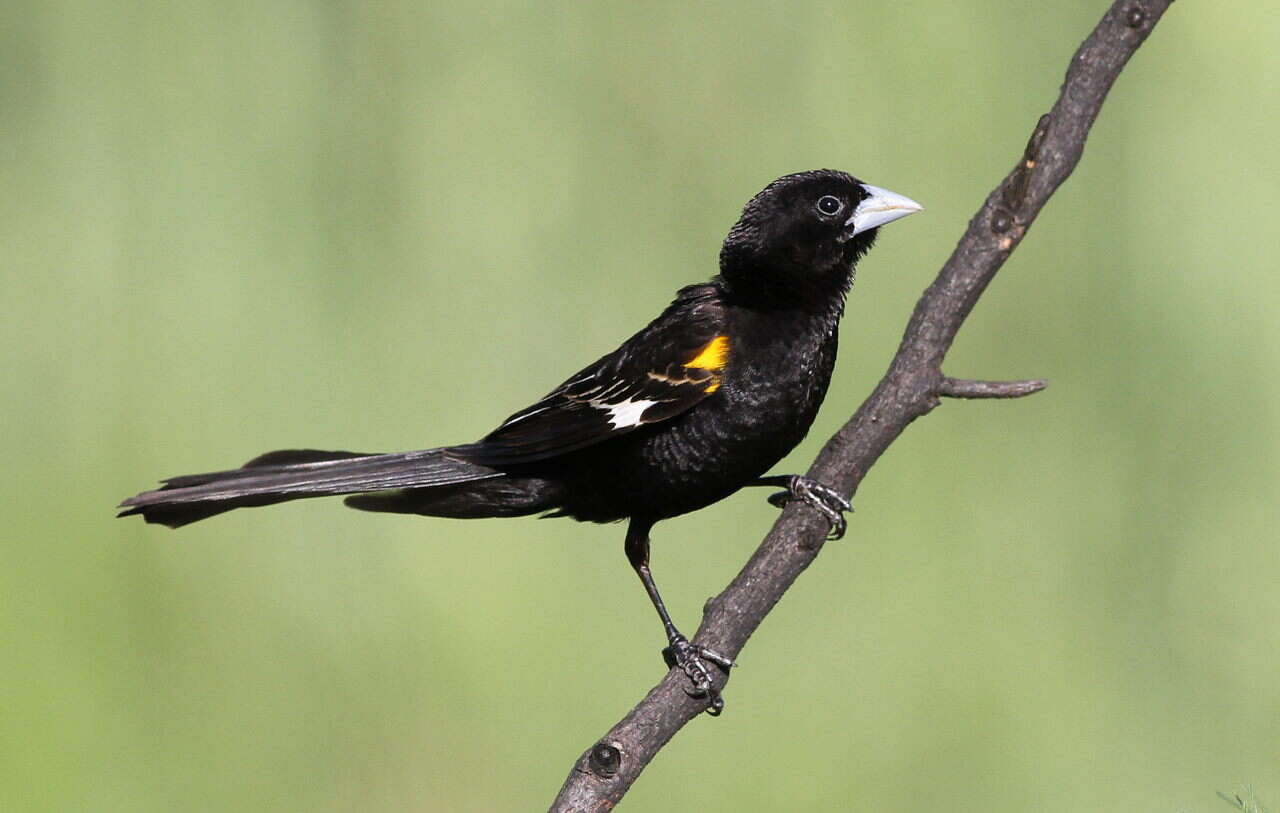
605	760
1032	151
968	388
1018	183
1001	221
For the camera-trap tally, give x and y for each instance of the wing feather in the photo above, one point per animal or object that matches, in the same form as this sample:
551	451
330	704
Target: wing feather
666	369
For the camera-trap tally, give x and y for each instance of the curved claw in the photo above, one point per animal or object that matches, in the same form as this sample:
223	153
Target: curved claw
824	500
715	703
689	659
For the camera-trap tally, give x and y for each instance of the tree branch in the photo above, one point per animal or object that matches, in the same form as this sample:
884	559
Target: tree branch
910	389
965	388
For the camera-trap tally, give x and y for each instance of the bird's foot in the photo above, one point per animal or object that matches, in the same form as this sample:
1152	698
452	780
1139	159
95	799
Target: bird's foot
691	659
822	499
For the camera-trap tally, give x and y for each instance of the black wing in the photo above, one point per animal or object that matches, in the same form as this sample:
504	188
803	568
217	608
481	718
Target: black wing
660	372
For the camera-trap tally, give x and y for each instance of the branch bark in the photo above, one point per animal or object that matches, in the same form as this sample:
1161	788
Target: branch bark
911	388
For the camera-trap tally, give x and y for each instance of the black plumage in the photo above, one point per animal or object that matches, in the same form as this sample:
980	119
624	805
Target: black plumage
698	404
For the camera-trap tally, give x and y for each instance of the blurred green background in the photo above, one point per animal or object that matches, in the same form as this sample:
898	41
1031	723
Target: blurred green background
232	227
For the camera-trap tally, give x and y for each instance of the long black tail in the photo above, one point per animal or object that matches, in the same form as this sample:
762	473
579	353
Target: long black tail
294	474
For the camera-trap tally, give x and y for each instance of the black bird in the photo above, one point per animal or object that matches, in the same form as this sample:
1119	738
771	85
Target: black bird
698	404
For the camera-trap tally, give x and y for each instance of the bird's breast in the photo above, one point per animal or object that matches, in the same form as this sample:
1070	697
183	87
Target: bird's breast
768	393
776	381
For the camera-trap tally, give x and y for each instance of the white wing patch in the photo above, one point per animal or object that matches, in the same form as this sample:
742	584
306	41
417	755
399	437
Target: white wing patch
624	414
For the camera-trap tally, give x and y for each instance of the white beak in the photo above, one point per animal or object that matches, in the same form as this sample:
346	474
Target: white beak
882	207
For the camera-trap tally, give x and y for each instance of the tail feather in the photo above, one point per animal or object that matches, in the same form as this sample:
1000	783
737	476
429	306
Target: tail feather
296	474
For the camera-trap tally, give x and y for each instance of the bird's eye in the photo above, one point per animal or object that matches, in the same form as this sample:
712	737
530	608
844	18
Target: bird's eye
830	205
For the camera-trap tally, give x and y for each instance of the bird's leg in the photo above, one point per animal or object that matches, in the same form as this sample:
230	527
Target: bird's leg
679	652
824	500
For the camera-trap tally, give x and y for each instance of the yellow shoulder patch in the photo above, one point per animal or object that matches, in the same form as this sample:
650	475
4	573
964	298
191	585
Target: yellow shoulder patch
712	357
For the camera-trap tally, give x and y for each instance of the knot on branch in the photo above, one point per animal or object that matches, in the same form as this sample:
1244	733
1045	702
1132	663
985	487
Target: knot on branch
1014	193
605	760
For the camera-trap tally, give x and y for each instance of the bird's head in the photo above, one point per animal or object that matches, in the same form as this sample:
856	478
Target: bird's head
801	235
